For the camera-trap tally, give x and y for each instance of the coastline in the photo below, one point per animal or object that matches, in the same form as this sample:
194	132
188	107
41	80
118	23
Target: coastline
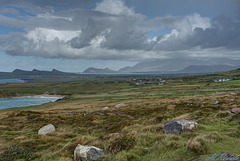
44	97
16	95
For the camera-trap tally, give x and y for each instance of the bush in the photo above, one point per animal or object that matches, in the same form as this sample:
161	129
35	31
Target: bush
235	117
223	114
16	151
198	146
130	157
122	143
213	137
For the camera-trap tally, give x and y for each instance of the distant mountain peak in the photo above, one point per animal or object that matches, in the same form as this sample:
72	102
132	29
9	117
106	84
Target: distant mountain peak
18	71
35	70
41	73
55	70
96	70
180	64
108	69
207	68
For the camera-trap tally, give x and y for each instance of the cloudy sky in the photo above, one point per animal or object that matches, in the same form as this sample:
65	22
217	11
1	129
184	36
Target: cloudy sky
75	34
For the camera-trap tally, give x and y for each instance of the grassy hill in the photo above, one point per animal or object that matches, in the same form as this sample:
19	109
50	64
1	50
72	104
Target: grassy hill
133	132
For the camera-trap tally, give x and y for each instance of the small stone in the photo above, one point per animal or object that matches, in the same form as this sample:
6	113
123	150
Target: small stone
235	110
146	150
105	108
217	102
46	129
119	105
87	152
114	134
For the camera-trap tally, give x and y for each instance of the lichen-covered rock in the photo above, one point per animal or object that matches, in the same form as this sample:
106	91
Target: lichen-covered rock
177	126
235	110
87	152
46	129
119	105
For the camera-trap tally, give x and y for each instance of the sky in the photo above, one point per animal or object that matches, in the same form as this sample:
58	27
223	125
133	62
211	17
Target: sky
74	35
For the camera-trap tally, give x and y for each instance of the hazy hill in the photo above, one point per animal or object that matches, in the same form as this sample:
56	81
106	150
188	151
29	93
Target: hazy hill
160	65
207	68
40	72
95	70
183	65
18	73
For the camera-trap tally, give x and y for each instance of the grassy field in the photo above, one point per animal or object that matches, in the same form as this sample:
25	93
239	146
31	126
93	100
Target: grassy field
130	133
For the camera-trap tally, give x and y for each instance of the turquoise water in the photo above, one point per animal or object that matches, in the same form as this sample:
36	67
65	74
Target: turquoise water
24	101
2	81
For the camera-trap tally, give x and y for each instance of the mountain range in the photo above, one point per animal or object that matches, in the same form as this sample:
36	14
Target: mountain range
95	70
175	66
183	66
17	73
167	66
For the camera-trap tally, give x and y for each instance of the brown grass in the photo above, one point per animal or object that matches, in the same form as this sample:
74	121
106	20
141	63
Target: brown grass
83	122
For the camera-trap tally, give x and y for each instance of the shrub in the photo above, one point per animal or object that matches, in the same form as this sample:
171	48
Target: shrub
223	114
235	117
213	137
198	146
122	143
16	151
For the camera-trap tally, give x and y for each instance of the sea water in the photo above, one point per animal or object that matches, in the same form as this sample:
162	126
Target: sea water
24	101
3	81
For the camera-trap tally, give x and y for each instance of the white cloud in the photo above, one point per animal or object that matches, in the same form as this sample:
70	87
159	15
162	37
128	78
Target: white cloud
48	16
185	25
114	7
44	34
114	31
196	21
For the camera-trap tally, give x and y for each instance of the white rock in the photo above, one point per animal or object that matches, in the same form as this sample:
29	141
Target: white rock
105	108
114	134
216	102
46	129
187	124
119	105
87	152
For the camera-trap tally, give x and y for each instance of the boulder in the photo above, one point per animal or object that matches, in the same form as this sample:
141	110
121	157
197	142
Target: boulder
119	105
235	110
46	129
177	126
105	108
87	152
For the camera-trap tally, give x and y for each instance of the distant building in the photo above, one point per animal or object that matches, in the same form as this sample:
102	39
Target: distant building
147	81
221	80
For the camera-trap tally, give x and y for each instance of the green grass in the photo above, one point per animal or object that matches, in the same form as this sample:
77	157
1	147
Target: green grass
134	132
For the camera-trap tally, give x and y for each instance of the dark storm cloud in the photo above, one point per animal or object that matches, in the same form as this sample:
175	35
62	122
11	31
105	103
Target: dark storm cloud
119	33
224	33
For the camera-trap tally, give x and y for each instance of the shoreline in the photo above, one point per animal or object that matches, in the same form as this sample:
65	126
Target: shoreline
16	95
41	96
44	95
